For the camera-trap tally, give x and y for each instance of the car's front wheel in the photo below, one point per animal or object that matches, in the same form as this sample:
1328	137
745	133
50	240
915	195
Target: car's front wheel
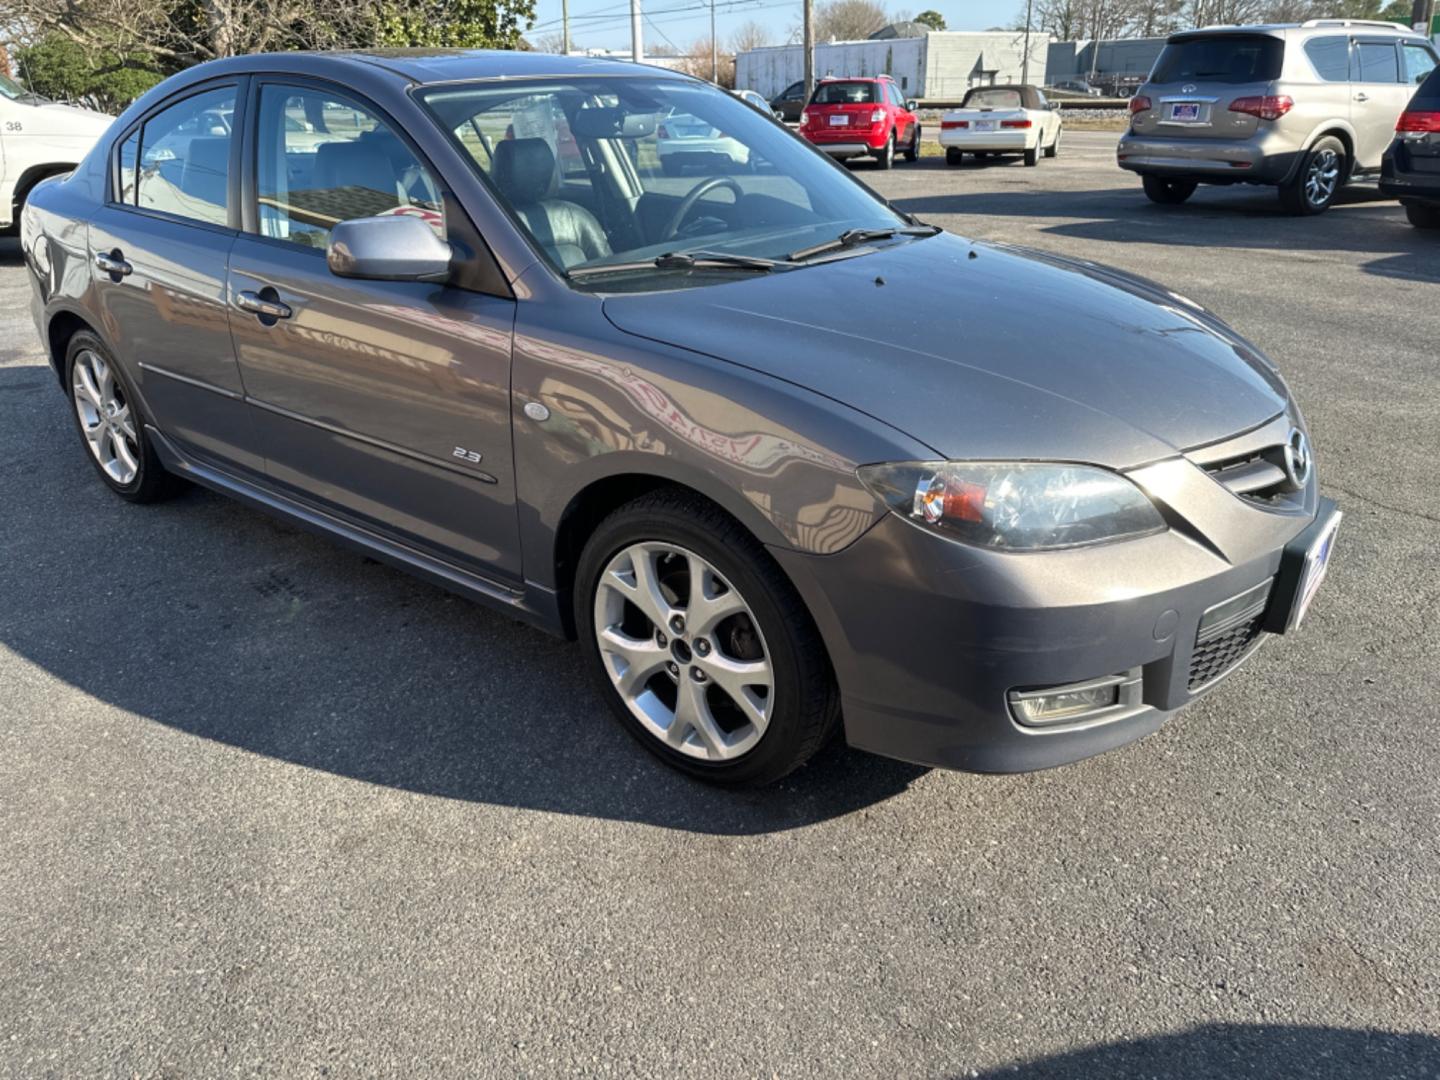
912	153
107	415
1423	215
1054	148
1166	192
1319	179
705	651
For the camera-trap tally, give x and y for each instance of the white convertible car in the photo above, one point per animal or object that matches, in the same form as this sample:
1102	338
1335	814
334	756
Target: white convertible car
1001	120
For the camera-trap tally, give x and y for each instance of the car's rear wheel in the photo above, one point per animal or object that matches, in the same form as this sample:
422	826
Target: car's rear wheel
107	415
705	652
1423	215
1168	192
885	158
913	153
1319	179
953	156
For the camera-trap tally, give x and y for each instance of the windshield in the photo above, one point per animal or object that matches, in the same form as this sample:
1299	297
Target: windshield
1224	58
11	89
602	171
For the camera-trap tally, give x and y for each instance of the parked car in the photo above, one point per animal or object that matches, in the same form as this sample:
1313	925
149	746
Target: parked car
1076	86
38	138
677	425
1300	108
1001	120
790	102
755	101
684	141
850	118
1411	169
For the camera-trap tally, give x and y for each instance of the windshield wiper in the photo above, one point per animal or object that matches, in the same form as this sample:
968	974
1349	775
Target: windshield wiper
855	237
685	260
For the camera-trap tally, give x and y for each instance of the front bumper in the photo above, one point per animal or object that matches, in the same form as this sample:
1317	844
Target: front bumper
930	639
1261	159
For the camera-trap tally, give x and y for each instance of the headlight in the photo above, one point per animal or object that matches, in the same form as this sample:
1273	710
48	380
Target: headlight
1014	507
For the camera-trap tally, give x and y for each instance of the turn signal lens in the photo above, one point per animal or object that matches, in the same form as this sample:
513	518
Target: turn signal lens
1269	107
1139	105
1014	507
951	125
804	117
878	116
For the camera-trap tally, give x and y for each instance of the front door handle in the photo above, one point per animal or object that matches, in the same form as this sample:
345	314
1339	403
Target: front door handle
113	263
1362	97
266	307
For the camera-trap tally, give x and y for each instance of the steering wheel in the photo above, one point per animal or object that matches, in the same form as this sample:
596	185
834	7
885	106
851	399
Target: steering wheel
710	183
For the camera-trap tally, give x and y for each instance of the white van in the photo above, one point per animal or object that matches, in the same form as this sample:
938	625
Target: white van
39	138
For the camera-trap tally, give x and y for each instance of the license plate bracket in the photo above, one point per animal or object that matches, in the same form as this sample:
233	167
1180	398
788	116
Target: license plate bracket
839	120
1303	567
1185	111
984	125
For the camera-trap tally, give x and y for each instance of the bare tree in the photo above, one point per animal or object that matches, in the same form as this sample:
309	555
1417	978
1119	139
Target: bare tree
749	35
848	20
696	61
555	43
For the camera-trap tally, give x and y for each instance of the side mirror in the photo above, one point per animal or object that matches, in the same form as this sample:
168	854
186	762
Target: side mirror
912	104
393	247
777	114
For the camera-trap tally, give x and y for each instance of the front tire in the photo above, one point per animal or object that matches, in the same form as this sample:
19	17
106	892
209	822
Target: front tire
108	417
1318	180
1168	192
702	647
886	158
1032	155
1423	215
1053	149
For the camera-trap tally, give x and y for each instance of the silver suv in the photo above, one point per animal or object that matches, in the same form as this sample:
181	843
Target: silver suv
1302	108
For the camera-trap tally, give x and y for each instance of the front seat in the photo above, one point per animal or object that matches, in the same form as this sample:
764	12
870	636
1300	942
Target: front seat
524	171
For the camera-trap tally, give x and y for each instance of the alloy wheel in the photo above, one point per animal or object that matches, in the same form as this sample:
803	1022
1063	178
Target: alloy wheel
1322	177
684	651
105	417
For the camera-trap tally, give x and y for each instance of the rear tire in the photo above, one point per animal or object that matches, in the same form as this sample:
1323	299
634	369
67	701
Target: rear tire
681	538
1168	192
886	158
1321	175
913	153
1423	215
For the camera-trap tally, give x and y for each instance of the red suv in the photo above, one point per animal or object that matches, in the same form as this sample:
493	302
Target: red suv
853	117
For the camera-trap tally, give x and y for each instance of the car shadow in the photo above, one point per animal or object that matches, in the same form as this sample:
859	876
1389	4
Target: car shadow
10	249
1361	223
1244	1052
226	624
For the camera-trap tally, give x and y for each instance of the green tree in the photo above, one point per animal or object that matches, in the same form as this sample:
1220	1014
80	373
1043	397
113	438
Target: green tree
469	24
58	67
933	19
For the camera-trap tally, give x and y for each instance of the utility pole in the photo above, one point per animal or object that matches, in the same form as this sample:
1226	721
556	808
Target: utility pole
1025	61
637	41
1423	16
714	49
808	34
565	24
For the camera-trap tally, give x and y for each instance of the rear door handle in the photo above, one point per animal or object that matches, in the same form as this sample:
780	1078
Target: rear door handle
113	263
1362	97
265	307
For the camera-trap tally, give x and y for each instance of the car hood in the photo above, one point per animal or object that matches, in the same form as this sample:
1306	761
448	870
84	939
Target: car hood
984	350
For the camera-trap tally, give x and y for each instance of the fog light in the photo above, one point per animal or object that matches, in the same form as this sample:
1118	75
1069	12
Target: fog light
1106	698
1065	705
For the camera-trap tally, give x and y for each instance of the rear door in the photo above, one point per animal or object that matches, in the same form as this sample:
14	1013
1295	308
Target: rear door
1198	76
1378	97
386	402
158	249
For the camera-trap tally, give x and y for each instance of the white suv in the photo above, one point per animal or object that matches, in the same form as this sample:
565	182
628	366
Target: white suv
38	138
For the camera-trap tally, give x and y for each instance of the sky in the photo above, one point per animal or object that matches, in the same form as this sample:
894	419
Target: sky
606	23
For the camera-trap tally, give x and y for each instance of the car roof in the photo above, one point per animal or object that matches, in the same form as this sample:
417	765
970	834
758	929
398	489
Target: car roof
1314	26
437	65
857	78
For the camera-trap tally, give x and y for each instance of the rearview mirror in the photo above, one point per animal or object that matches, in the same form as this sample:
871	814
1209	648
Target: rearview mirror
393	247
607	122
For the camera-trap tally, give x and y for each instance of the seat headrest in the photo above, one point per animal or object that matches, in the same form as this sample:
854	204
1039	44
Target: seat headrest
524	170
206	172
354	164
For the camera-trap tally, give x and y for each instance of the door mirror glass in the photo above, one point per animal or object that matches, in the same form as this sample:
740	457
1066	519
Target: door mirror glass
912	104
394	247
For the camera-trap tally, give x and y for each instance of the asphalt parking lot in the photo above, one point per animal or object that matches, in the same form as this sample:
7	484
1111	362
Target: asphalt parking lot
268	807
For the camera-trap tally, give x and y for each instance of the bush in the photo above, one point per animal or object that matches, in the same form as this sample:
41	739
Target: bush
59	68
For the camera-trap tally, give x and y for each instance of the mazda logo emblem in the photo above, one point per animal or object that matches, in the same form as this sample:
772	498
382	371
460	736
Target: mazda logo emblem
1297	460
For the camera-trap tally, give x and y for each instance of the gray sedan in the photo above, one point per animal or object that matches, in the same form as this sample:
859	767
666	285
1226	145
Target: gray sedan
450	309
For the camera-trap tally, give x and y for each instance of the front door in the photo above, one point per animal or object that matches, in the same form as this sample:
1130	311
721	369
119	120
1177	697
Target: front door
387	402
158	249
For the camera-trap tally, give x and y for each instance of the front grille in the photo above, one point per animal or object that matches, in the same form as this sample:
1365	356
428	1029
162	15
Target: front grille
1215	657
1252	465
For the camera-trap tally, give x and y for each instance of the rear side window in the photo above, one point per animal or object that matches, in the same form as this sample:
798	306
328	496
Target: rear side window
1419	63
992	99
185	158
1330	57
1224	58
1378	62
1428	96
847	93
125	168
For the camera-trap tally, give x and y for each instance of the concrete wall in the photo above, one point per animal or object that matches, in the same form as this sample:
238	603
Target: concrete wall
939	66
